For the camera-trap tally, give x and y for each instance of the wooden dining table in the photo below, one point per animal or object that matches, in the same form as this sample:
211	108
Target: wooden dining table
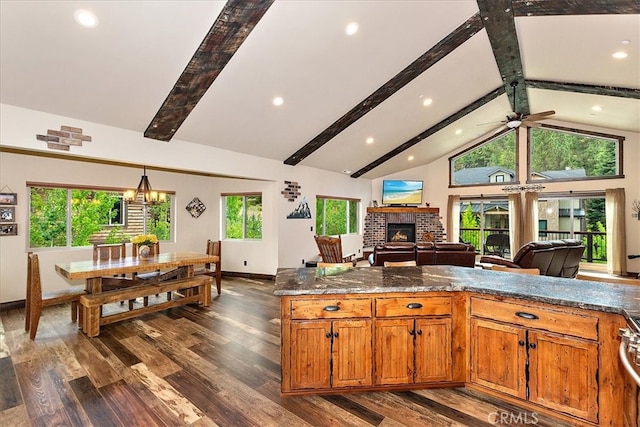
93	271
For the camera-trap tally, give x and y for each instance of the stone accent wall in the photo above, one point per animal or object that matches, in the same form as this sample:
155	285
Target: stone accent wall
427	220
64	138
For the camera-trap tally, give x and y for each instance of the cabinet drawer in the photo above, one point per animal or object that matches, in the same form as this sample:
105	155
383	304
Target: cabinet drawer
338	308
583	326
418	306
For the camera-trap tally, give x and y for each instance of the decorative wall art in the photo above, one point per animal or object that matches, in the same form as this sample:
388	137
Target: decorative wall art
302	211
8	199
7	214
195	207
8	229
291	191
64	138
635	207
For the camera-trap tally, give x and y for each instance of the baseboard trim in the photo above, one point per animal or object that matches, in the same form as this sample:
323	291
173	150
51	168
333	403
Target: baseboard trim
256	276
12	305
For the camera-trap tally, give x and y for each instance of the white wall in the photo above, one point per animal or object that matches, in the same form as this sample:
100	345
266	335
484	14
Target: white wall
435	177
285	241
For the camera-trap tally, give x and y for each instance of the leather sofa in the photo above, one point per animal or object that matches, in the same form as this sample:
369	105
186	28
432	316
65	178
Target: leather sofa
558	258
425	253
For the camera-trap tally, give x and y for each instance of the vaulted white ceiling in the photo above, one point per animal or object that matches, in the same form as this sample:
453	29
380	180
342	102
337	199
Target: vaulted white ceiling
120	72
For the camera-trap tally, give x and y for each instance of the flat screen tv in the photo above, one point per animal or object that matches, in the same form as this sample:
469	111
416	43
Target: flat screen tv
401	192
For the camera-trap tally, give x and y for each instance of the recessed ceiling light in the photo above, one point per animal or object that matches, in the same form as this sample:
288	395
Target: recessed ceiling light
352	28
596	108
410	158
458	131
346	171
427	102
626	41
370	140
85	18
278	101
620	55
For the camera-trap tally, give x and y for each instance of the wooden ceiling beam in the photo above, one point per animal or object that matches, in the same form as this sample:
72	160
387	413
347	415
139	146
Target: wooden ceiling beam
621	92
498	19
435	128
231	28
574	7
444	47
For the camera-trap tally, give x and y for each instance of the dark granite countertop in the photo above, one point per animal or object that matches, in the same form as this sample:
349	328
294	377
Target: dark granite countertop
600	296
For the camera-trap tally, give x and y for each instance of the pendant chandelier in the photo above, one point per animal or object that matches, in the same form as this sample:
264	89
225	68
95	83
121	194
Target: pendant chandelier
149	197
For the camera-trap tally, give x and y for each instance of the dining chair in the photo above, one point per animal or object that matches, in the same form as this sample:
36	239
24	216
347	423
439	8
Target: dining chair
533	271
36	299
213	269
331	250
400	264
110	252
334	264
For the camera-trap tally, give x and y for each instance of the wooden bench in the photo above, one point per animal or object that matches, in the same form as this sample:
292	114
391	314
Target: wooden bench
183	291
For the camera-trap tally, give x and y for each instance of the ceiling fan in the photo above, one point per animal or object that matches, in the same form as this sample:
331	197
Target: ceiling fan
514	120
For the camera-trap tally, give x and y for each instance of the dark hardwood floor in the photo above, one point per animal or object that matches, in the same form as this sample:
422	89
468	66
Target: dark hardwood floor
198	367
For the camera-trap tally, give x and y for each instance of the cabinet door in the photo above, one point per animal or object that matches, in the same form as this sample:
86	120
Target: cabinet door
351	355
433	350
563	374
310	354
498	357
394	351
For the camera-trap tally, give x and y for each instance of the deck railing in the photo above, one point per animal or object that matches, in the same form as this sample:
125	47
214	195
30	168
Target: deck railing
595	242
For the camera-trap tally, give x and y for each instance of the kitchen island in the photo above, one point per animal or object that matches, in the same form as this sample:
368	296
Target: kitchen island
546	344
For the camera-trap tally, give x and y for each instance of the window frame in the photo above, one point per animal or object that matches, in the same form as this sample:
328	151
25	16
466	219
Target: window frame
619	154
487	140
347	217
244	196
69	188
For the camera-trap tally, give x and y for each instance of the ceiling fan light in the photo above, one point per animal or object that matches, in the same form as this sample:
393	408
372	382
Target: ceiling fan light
512	124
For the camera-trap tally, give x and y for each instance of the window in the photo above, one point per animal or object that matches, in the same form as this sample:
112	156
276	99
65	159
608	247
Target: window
72	217
574	216
562	154
243	216
491	161
336	216
481	218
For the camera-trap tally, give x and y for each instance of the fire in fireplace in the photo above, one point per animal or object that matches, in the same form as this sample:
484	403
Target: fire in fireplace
401	232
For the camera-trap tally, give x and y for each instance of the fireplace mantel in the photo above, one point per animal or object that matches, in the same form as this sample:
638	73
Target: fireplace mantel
402	209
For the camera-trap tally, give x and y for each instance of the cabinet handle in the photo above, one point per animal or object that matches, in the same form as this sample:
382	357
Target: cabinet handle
526	315
331	308
335	335
412	332
532	345
419	332
521	343
414	305
328	335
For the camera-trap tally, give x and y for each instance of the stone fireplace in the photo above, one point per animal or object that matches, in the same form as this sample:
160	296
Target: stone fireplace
420	220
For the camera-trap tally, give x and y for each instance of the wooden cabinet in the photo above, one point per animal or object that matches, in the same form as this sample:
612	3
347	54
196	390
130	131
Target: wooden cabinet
412	345
329	343
328	354
332	343
519	350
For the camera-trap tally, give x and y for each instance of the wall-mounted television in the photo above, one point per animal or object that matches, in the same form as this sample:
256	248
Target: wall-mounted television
401	192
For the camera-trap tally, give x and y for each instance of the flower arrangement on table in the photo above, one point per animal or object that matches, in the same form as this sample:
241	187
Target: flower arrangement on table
144	239
144	243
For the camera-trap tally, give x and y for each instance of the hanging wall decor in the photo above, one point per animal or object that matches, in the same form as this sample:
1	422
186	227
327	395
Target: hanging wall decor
291	191
8	229
7	214
64	138
195	207
302	211
635	207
